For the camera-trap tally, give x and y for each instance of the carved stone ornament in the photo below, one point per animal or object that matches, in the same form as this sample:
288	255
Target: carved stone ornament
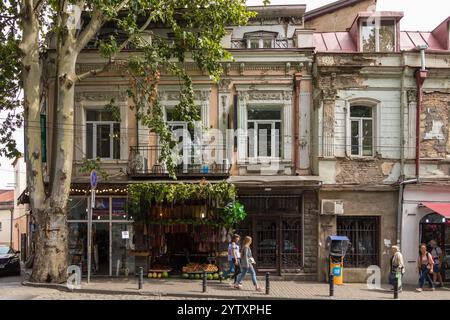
101	96
266	95
201	95
287	95
412	95
224	84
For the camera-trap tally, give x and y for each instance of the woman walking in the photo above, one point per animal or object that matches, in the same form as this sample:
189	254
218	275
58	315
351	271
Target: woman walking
247	262
436	253
425	266
234	257
397	268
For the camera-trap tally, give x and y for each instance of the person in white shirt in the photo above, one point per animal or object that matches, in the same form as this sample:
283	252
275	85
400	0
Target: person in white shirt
436	253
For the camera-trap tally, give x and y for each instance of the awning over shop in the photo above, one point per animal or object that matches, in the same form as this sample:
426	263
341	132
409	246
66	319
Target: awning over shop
443	208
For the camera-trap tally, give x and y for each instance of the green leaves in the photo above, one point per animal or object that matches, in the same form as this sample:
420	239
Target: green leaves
233	213
215	195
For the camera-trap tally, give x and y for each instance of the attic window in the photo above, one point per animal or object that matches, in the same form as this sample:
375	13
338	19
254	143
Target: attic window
378	36
260	39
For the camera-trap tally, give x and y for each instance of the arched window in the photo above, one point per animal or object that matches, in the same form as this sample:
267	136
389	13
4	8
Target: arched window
362	137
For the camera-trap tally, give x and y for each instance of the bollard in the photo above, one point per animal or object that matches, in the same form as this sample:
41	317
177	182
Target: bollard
268	283
331	285
396	288
204	281
141	277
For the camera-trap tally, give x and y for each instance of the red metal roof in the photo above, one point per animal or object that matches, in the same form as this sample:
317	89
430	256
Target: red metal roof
334	42
443	208
343	42
6	196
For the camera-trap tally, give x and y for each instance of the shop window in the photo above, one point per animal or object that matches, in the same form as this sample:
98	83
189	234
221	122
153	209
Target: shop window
119	211
363	233
264	132
101	209
102	135
378	37
77	208
361	130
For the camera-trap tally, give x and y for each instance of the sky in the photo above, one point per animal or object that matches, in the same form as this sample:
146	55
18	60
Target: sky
418	15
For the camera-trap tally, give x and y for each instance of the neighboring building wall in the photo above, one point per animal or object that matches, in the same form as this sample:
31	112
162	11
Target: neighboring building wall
412	213
21	211
5	231
339	20
372	204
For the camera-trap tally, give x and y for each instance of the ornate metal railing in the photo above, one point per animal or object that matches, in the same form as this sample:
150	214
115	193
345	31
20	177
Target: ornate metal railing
206	161
278	43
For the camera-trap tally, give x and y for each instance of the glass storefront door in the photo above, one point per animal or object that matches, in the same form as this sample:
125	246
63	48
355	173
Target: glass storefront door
100	248
112	236
122	243
436	227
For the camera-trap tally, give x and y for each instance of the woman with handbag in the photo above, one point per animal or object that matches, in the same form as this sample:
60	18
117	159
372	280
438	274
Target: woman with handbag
425	266
247	263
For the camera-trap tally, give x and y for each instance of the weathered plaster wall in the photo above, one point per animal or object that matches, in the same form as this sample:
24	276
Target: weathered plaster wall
434	131
340	20
382	204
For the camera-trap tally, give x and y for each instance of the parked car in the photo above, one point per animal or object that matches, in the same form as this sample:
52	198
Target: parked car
9	261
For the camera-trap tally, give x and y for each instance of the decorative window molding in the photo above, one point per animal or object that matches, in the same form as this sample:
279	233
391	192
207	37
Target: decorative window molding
358	122
96	100
264	96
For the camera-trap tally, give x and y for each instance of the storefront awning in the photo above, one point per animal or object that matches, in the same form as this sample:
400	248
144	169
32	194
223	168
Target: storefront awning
443	208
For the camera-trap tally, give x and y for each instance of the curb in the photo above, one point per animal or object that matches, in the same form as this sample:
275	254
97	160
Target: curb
64	288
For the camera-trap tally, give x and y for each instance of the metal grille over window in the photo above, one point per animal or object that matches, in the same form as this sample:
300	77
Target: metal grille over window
363	233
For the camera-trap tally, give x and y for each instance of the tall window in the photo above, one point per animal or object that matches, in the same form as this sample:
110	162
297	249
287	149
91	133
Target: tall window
378	38
363	233
361	131
102	135
264	132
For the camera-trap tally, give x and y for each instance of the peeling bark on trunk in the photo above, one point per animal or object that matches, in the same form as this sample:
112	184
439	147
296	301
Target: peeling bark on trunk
50	262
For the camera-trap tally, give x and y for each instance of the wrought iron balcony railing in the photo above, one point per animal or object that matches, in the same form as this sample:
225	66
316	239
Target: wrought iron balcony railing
205	161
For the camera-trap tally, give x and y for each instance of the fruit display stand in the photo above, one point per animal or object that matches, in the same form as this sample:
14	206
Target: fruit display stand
195	271
159	273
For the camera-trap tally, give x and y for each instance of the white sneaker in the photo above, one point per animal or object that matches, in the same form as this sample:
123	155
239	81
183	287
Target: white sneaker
419	290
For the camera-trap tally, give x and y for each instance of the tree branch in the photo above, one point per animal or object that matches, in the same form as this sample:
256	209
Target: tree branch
96	22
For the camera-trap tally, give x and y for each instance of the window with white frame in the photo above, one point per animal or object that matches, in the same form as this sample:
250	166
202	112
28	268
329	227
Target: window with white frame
260	39
264	132
102	135
361	121
378	36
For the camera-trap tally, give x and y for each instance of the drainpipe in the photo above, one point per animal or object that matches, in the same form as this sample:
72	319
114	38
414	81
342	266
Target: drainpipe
297	82
421	75
400	208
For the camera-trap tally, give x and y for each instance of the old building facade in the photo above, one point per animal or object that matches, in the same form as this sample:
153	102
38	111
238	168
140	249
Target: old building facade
316	126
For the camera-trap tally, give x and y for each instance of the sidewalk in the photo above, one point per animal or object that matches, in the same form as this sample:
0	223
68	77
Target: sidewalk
215	289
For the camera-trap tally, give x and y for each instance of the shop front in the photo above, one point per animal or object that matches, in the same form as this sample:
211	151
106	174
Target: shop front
282	221
426	217
112	235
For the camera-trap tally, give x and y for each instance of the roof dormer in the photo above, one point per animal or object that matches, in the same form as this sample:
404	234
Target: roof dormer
377	31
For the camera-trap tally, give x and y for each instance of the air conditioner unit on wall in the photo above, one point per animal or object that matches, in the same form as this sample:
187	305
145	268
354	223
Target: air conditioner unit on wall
332	207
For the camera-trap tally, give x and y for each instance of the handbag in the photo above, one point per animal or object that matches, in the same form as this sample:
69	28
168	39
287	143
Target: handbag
251	260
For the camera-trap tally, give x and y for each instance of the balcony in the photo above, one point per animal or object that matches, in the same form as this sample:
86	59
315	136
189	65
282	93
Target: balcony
276	44
210	162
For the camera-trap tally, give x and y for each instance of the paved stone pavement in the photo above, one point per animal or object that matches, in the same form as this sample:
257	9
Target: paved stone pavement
116	288
155	289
